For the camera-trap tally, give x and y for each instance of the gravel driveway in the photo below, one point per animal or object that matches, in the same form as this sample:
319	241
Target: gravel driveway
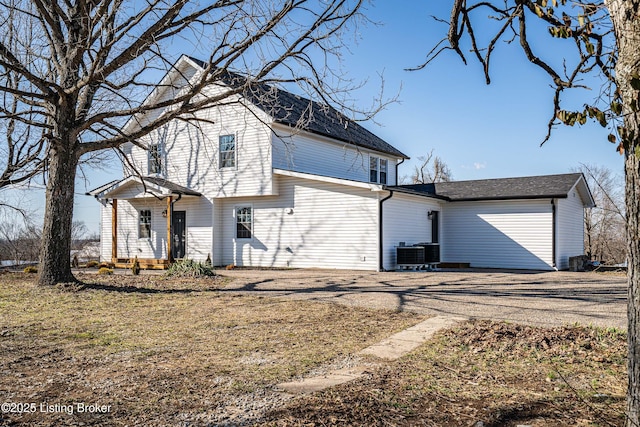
537	298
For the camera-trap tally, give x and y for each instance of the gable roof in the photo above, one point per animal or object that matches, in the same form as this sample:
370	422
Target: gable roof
158	187
296	111
529	187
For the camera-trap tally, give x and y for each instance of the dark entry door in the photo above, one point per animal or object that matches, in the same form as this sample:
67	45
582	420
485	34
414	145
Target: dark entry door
178	229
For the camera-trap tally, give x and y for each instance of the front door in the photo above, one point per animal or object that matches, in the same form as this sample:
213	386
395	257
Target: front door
178	229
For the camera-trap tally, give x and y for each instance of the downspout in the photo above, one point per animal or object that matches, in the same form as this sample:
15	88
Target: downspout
398	164
381	229
553	233
176	201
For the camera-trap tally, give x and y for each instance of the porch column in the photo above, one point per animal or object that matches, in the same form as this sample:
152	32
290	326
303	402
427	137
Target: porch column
114	230
169	257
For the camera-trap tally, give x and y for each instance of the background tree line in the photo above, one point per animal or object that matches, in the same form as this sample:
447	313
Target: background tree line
20	237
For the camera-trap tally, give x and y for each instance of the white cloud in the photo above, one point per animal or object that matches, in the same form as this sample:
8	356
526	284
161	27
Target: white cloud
478	165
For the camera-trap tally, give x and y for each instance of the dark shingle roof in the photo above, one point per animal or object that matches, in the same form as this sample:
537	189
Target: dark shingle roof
171	186
160	182
297	111
530	187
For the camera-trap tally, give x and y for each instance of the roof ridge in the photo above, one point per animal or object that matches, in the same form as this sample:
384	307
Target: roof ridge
329	121
511	177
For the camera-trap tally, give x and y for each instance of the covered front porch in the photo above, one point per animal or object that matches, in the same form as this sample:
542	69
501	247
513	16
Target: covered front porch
144	223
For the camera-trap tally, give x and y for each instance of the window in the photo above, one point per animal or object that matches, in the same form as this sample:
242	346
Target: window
155	159
244	222
373	169
383	171
227	151
378	170
144	224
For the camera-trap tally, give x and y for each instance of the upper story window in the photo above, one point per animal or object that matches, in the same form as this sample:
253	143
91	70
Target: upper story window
155	159
227	151
383	171
373	169
378	169
144	224
244	222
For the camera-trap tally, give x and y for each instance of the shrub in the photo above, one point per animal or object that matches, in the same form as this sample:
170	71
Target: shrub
135	267
30	269
190	268
92	264
105	270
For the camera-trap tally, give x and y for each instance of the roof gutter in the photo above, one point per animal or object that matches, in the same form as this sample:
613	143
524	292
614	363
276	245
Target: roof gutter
381	230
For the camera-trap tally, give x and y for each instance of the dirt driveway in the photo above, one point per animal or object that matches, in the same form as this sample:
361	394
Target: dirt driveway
537	298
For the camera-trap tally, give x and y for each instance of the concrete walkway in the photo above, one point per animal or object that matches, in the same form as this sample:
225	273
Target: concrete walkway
530	297
391	348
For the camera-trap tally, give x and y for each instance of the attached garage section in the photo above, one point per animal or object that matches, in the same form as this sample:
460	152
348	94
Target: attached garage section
407	220
500	234
533	222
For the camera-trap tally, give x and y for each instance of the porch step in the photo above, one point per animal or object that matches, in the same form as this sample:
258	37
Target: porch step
145	263
454	265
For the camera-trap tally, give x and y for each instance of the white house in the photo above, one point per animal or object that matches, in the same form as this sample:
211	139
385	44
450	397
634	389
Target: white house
274	180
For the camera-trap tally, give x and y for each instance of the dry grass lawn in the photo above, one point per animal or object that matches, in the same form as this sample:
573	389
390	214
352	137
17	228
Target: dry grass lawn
162	351
178	352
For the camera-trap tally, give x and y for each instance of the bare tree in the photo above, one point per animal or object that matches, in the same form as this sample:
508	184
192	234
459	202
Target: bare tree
73	73
604	237
19	237
598	39
431	169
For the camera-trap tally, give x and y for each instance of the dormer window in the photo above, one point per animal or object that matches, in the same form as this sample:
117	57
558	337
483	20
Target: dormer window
378	170
155	159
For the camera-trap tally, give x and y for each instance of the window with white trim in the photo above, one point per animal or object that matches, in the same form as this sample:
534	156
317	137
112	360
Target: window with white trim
227	148
144	224
378	170
373	169
155	159
383	171
244	222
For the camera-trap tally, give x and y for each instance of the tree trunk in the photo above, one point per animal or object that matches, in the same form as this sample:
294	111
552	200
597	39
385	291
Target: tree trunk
55	265
632	173
624	16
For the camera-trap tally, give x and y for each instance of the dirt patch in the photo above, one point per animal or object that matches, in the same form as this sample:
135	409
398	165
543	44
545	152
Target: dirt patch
496	374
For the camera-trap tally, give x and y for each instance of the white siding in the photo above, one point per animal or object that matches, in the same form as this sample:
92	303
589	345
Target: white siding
129	244
105	231
191	152
217	232
311	224
198	222
499	234
309	153
405	220
199	212
169	88
570	228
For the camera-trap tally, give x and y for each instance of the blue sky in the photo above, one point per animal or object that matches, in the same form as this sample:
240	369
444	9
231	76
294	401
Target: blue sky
480	131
